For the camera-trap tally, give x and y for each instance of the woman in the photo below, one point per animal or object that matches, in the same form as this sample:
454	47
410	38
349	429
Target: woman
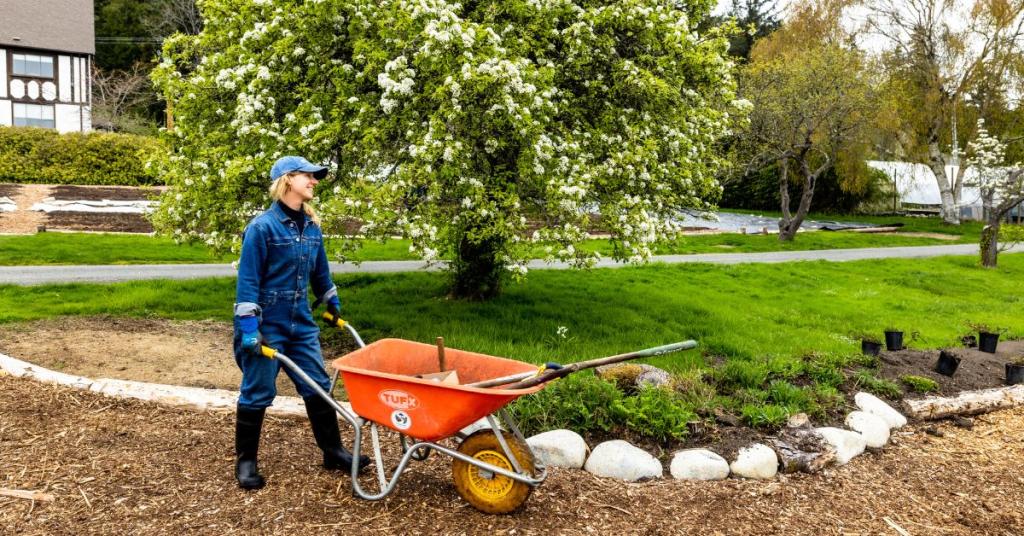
282	254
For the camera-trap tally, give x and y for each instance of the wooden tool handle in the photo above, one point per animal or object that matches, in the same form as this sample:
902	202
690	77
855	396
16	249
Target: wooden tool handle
440	354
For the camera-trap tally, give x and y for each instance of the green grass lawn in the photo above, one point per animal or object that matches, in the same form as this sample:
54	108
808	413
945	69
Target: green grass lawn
88	248
774	339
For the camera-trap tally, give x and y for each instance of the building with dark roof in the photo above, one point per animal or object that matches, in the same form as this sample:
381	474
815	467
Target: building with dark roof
46	54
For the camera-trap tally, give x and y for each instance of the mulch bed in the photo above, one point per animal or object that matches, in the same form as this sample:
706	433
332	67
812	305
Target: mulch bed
98	222
122	466
99	193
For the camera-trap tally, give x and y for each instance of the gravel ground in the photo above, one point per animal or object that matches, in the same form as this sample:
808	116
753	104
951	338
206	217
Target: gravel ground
127	467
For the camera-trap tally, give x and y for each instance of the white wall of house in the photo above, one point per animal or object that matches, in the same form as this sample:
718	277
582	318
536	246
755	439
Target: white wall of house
6	119
68	117
3	72
64	73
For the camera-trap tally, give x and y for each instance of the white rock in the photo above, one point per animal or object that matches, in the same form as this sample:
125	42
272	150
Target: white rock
755	461
559	448
698	464
619	459
874	428
848	444
872	404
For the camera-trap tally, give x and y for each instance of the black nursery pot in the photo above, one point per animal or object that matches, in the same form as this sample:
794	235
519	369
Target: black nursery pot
987	342
947	363
893	340
870	347
1014	374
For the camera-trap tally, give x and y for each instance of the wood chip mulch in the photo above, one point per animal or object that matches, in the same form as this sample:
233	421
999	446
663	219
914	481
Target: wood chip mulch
127	467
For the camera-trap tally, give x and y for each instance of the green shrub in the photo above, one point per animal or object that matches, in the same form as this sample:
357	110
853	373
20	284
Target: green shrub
920	384
826	399
766	415
785	368
37	155
826	373
656	413
580	402
867	380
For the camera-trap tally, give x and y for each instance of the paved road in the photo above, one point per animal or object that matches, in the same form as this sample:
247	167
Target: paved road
37	275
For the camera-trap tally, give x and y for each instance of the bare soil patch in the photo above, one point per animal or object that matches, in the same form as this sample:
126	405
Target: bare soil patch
9	190
98	193
122	466
108	222
190	353
977	370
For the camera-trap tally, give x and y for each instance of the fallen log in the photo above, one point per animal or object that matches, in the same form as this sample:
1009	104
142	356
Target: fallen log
26	494
802	450
966	403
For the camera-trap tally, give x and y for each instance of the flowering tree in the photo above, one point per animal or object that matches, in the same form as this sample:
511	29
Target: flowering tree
473	129
1001	186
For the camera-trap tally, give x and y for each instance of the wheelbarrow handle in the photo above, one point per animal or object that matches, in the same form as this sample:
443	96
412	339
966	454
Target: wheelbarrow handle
334	319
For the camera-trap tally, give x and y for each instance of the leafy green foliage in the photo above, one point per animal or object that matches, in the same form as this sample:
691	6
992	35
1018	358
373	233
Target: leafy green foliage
868	380
37	155
452	124
765	416
920	384
581	402
655	412
741	373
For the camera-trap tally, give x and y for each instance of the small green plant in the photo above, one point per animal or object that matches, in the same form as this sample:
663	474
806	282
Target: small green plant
867	380
892	329
920	384
784	393
765	416
866	337
985	328
826	373
740	373
694	392
825	399
580	402
1019	360
784	367
655	412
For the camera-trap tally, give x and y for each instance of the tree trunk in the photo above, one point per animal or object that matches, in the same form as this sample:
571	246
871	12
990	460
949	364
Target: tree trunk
949	210
990	244
791	223
966	403
476	269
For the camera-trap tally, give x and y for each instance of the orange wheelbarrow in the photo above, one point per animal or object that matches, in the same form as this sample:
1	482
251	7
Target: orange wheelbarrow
493	468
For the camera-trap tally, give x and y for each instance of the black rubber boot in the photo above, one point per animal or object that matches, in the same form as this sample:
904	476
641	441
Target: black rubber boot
248	425
324	421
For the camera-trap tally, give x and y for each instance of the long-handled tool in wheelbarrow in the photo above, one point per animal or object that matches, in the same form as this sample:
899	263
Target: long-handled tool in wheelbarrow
493	468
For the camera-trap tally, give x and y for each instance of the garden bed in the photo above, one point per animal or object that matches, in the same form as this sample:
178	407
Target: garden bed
199	354
99	193
102	222
115	466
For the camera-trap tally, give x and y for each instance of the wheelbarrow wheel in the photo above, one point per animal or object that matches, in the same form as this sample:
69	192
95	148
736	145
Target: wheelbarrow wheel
488	492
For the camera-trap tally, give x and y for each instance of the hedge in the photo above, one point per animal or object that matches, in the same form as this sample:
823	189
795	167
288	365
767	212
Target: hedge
38	155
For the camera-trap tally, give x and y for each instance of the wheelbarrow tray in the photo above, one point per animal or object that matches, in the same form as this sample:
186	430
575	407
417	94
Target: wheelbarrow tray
381	388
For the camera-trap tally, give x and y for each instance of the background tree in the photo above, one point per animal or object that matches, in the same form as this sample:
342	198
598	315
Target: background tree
756	19
938	51
459	126
1001	185
812	106
120	99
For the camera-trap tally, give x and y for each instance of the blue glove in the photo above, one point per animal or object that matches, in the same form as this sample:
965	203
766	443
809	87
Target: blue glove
251	338
334	305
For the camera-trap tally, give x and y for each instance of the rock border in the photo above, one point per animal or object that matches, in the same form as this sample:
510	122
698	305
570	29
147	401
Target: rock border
756	460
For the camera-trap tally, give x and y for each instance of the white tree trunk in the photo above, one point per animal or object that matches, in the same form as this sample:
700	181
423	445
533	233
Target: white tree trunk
968	403
950	210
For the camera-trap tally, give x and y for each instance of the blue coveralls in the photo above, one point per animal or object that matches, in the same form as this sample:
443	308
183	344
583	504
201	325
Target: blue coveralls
274	272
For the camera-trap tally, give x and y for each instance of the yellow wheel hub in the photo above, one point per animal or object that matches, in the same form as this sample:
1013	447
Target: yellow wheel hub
487	485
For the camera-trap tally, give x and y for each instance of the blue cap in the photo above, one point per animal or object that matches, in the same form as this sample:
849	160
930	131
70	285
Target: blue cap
288	164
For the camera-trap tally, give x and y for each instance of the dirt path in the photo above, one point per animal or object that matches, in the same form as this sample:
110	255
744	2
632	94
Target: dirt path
119	467
23	220
190	353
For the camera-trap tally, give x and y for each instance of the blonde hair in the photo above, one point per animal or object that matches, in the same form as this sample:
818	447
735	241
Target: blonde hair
280	186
